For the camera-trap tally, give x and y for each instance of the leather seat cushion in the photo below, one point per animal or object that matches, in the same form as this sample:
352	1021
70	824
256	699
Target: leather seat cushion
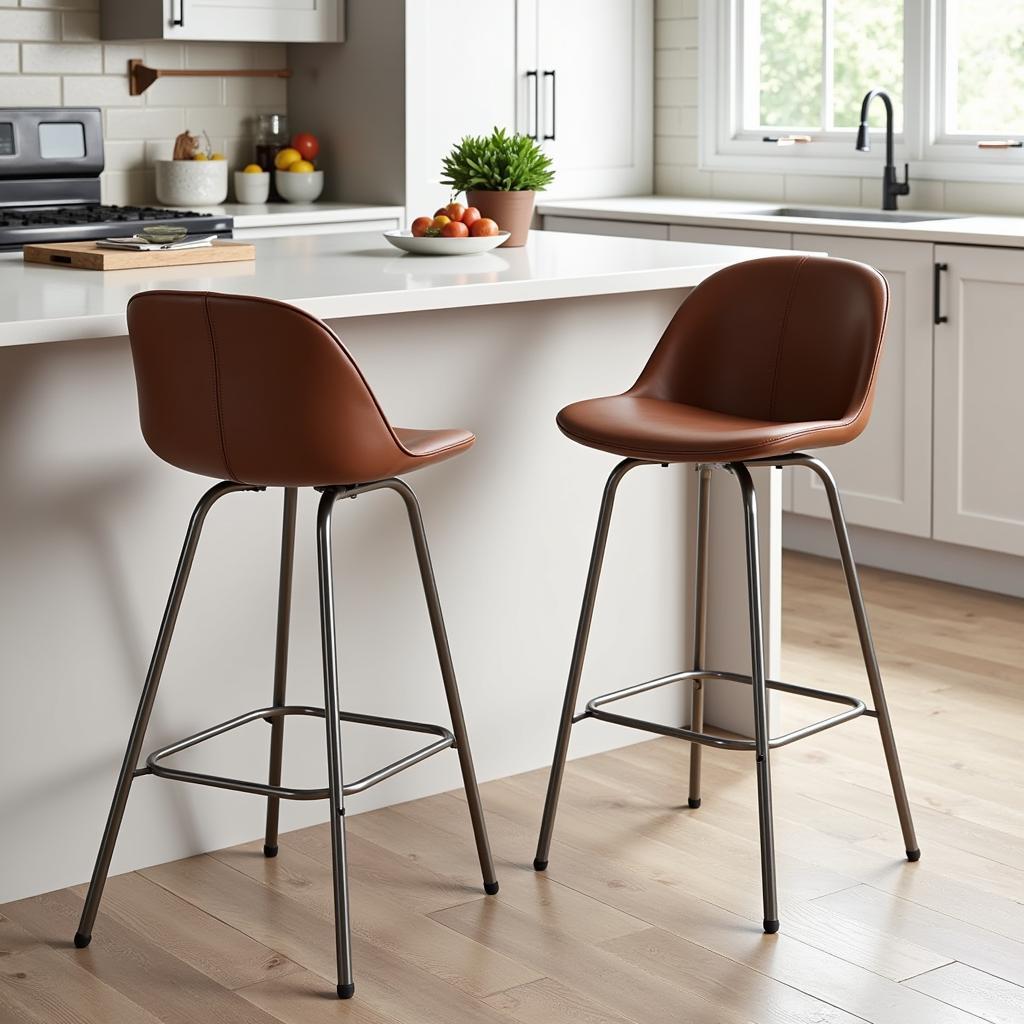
663	431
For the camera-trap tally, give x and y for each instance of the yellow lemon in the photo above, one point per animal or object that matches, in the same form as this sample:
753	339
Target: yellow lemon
286	157
200	156
252	169
217	156
301	167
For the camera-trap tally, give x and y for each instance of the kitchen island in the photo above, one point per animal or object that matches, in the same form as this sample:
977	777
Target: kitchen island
91	523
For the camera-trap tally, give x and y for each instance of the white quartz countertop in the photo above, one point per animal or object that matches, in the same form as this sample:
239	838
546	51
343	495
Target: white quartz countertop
961	229
356	274
261	215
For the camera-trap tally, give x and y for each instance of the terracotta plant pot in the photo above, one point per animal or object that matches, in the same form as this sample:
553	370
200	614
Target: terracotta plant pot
511	211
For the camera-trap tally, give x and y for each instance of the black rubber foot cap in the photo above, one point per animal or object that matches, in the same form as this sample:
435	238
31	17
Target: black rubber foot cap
770	927
540	865
913	855
81	941
269	851
346	991
694	803
491	888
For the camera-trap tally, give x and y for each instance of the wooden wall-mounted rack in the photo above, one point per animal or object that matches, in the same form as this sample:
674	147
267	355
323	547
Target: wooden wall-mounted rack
140	77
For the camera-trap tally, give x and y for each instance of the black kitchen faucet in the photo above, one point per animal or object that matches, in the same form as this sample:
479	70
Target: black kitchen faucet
891	186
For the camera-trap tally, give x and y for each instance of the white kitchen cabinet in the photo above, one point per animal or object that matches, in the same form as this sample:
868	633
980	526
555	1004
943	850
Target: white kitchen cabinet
388	106
585	90
598	226
979	415
449	99
278	21
885	475
732	236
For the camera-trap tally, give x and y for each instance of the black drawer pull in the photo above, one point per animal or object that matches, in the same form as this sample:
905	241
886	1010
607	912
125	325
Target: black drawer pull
551	75
937	315
535	133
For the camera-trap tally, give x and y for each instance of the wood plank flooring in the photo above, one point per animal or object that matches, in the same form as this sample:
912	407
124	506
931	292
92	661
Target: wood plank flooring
649	911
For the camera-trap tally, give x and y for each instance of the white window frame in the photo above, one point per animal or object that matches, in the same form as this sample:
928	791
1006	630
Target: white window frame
923	143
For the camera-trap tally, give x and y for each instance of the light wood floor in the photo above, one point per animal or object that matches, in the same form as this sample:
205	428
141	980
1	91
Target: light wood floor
649	912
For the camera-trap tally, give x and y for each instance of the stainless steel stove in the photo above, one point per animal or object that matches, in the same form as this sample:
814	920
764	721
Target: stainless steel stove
50	163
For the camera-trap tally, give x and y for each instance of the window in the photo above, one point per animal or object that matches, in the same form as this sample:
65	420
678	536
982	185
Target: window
772	70
984	83
811	61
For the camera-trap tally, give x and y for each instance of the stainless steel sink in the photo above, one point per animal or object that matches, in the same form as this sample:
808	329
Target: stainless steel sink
876	216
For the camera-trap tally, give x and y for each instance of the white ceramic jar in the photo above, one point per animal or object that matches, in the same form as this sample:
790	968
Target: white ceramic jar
191	182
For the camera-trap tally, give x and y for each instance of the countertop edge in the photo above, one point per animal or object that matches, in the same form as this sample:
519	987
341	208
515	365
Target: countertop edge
329	307
731	214
293	214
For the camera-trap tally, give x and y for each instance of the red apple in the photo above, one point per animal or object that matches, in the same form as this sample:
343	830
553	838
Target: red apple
454	229
470	216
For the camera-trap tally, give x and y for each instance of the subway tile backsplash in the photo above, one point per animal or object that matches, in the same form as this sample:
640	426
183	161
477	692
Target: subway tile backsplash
51	55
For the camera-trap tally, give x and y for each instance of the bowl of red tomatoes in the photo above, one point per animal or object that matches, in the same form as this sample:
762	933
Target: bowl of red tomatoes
454	230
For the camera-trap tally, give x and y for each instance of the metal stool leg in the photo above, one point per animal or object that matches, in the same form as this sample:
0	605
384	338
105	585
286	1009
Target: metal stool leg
700	626
156	666
759	687
284	606
342	928
867	647
578	655
451	689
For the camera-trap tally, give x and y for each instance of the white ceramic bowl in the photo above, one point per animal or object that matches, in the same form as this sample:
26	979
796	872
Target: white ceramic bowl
444	246
299	186
191	182
252	188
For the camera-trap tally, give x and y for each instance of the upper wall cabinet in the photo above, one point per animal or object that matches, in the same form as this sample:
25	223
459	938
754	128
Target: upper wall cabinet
586	81
447	99
273	21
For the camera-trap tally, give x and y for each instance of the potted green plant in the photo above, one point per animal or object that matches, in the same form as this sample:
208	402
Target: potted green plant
501	175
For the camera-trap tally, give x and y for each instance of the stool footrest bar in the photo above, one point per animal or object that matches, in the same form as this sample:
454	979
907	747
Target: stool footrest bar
855	708
153	766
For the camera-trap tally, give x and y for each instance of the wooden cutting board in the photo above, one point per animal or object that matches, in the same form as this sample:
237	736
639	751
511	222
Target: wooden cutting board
89	256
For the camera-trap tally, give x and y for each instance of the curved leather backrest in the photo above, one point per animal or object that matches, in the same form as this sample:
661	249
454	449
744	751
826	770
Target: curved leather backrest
254	390
787	338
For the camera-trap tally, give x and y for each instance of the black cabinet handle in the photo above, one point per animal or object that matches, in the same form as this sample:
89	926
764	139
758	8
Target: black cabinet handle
532	76
179	21
937	271
551	75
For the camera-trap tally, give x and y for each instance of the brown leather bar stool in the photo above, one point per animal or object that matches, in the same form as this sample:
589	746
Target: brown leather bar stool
221	395
761	360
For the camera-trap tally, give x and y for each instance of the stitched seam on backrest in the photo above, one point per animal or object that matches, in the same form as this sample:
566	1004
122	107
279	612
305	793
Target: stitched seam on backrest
782	336
217	396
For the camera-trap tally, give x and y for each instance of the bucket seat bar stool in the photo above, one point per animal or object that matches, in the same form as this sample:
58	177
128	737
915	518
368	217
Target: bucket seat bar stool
221	395
761	360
